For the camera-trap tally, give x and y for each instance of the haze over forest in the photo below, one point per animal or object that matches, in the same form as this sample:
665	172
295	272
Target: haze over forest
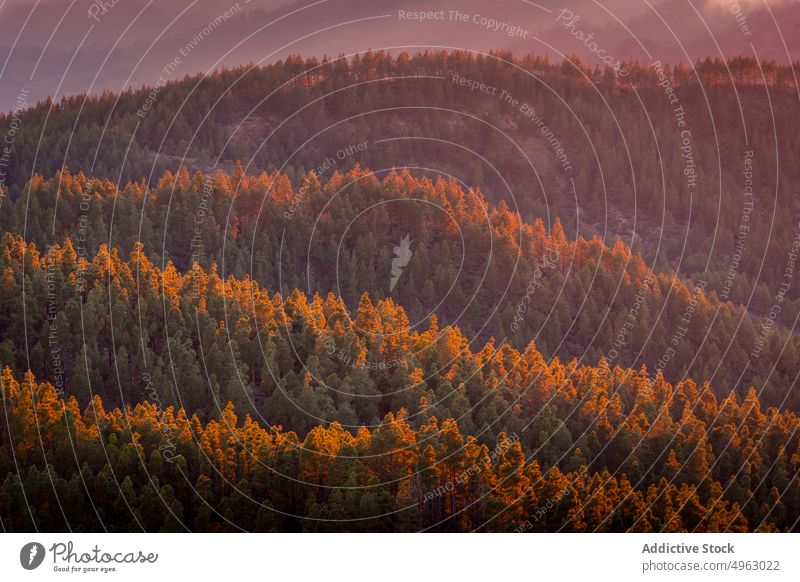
61	49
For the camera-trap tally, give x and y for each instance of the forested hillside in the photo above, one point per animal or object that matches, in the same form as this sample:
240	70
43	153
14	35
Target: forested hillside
578	465
439	292
477	267
244	409
577	449
657	156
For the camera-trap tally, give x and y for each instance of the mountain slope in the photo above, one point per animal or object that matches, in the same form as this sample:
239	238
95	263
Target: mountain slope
480	268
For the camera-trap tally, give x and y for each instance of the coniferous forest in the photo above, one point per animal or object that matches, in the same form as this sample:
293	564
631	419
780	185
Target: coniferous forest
405	291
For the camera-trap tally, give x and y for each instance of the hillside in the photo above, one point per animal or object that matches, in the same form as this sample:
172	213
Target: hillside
350	422
472	265
441	291
606	154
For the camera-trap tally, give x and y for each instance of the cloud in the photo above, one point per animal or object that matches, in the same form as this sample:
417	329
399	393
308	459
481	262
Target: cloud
745	3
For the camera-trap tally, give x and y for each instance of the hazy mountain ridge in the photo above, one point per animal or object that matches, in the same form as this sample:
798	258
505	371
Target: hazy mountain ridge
124	36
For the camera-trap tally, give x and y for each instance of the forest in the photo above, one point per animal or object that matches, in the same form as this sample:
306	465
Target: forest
646	456
236	408
207	322
387	433
496	277
673	189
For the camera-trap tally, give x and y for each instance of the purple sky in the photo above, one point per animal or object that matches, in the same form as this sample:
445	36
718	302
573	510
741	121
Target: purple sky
61	49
